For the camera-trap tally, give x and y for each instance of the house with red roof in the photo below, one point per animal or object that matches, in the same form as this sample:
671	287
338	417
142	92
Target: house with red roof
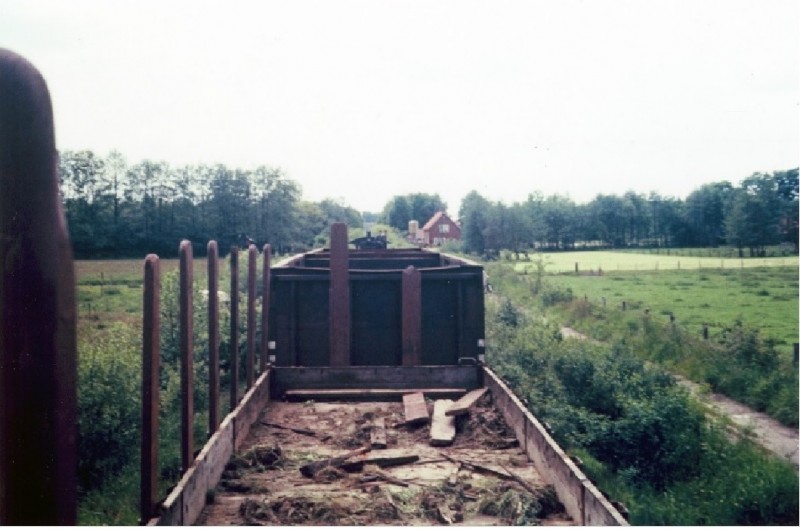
440	229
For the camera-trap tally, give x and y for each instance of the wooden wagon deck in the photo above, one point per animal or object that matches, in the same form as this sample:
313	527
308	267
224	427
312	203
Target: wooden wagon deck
483	478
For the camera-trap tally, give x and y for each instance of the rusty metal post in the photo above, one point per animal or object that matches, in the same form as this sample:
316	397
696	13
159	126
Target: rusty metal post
339	297
38	359
412	316
151	352
187	356
265	286
252	258
234	338
213	337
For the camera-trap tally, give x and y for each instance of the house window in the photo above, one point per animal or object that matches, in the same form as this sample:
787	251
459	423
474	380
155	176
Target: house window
444	228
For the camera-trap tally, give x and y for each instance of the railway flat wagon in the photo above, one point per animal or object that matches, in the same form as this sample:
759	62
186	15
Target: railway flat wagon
377	407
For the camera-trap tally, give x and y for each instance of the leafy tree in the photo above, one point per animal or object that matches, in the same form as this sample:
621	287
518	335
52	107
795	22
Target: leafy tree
473	215
637	217
273	207
610	221
705	213
416	206
397	213
787	189
753	216
558	216
83	186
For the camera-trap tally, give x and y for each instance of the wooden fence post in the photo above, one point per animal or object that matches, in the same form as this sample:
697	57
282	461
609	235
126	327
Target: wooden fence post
151	352
187	355
265	300
252	257
213	337
234	338
38	358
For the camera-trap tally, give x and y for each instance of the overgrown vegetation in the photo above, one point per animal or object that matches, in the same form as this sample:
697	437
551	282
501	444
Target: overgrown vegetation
639	435
736	360
109	389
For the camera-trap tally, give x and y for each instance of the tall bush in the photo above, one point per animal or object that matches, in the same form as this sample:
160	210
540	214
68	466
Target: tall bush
109	403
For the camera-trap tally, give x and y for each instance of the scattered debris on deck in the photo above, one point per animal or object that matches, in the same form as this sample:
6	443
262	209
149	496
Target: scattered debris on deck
319	463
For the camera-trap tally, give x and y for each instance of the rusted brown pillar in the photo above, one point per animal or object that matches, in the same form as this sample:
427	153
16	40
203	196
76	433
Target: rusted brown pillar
252	258
412	316
265	286
187	355
339	297
213	337
234	337
37	311
151	352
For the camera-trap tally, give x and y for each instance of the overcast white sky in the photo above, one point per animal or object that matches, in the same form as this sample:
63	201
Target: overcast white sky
363	100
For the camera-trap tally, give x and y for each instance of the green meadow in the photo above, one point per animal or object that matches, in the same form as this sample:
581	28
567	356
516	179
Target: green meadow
762	297
626	261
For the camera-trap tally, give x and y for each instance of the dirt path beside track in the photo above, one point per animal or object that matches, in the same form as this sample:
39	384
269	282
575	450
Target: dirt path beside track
767	432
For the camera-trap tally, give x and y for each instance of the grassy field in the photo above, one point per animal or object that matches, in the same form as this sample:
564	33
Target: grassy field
761	293
111	290
606	261
764	298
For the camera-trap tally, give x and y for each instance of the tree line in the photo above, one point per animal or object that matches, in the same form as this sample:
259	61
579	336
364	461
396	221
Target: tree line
761	211
119	210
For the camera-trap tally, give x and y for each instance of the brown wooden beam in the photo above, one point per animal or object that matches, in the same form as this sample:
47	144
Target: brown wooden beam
339	297
252	259
412	316
187	355
38	359
265	300
213	337
151	352
234	330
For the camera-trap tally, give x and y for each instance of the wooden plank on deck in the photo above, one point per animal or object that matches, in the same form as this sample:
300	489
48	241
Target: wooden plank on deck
377	436
443	428
462	405
382	459
415	408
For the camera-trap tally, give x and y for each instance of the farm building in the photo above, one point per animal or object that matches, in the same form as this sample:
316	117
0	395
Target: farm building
438	230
